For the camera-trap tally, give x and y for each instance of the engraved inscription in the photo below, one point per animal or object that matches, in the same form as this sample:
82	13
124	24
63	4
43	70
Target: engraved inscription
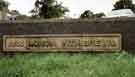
62	43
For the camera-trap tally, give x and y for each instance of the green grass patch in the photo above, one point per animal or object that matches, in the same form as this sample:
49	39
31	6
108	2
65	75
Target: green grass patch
68	65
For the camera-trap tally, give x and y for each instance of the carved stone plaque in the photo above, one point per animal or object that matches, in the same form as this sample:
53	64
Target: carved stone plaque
62	42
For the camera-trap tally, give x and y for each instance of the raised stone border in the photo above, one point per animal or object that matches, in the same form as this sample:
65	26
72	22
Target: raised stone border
62	43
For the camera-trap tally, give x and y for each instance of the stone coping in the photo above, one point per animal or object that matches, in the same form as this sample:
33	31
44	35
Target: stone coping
71	20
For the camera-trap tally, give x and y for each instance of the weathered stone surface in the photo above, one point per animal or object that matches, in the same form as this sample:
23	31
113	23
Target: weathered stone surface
123	26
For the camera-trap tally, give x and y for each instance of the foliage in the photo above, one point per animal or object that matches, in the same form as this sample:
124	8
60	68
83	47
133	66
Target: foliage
49	9
124	4
88	14
68	65
3	4
99	15
34	13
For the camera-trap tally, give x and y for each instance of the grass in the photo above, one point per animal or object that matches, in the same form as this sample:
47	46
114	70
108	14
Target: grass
68	65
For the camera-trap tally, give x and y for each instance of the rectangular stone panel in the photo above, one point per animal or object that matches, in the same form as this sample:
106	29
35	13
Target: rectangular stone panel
61	42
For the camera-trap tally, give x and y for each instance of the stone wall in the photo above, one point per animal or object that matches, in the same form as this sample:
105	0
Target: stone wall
123	26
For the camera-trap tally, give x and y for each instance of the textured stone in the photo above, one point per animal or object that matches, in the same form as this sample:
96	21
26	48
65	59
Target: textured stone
123	26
